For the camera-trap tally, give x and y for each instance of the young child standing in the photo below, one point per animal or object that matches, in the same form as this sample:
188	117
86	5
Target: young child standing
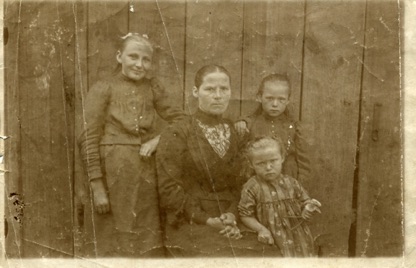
273	119
275	205
117	145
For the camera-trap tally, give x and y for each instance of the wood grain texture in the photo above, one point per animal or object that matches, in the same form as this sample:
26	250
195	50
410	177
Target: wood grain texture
334	34
214	32
12	128
273	43
46	105
380	211
81	88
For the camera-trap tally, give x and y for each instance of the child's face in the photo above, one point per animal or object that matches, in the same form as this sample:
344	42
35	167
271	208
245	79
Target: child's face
275	97
214	93
267	162
135	60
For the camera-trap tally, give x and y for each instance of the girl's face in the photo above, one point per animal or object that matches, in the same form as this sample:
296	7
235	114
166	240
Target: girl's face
275	97
214	93
135	60
267	162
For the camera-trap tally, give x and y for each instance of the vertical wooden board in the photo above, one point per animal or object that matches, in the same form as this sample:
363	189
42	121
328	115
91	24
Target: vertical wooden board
214	36
45	87
63	116
12	129
107	23
380	211
331	77
273	42
164	23
81	87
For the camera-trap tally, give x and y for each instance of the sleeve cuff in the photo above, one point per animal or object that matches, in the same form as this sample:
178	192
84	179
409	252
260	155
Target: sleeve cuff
94	174
199	219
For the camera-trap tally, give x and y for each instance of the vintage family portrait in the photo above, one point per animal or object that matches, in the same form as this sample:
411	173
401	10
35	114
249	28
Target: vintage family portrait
166	130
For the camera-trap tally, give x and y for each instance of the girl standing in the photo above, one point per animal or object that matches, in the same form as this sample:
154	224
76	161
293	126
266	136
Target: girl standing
273	119
197	177
117	147
275	205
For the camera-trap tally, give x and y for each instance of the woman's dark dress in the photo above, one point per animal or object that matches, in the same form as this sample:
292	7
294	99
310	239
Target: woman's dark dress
196	183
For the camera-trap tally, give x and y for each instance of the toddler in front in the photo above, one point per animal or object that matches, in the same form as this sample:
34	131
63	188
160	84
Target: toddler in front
275	205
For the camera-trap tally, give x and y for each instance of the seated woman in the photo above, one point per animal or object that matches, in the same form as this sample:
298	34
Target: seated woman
198	189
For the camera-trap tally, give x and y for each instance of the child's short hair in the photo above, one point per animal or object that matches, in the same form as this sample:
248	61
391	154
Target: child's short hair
262	142
273	78
207	69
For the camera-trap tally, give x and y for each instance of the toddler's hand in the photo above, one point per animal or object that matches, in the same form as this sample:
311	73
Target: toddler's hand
265	236
241	127
149	147
101	201
310	208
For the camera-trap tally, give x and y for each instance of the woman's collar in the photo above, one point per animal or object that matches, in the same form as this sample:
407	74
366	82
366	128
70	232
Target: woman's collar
209	119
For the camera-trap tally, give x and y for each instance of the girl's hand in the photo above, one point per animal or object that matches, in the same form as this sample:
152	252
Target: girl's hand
228	218
241	127
231	231
265	236
149	147
101	201
215	223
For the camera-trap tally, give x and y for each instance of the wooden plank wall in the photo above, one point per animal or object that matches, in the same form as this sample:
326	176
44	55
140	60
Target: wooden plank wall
380	211
342	58
12	128
330	103
45	118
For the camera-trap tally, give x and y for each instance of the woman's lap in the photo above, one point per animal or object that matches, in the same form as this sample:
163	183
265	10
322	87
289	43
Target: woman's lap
193	240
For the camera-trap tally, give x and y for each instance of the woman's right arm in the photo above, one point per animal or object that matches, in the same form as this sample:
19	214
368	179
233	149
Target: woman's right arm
172	184
169	163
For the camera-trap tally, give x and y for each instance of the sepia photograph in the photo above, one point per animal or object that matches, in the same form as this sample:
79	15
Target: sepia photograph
200	133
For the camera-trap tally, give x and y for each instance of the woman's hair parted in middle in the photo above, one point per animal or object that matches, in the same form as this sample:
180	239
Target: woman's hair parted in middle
207	69
263	142
273	78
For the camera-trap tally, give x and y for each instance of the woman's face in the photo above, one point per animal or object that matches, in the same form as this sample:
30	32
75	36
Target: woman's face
214	93
135	60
